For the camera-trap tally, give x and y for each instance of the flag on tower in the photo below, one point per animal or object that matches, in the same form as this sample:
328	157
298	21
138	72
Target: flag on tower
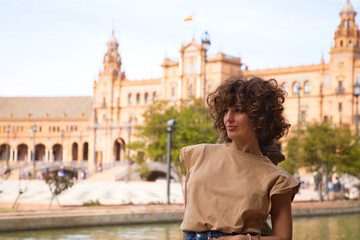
189	18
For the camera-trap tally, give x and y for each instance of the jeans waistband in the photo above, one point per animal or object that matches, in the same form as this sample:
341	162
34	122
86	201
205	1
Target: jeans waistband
213	234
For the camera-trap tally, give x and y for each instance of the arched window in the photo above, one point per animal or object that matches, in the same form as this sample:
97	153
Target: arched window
295	88
307	88
191	90
284	85
172	91
155	96
146	98
138	98
130	99
349	23
341	43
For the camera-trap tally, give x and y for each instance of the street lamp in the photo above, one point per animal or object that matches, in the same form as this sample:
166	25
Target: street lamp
61	147
7	148
356	95
205	42
171	123
34	129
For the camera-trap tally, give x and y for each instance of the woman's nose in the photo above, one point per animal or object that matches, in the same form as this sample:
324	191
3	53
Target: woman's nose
229	116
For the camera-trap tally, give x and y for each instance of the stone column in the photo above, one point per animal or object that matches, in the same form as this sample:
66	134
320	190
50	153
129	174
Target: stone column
16	155
51	159
29	156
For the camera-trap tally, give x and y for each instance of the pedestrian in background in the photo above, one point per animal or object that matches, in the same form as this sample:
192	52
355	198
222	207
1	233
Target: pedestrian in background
231	188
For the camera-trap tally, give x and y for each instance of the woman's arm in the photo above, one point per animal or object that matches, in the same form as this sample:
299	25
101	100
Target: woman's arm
281	220
186	180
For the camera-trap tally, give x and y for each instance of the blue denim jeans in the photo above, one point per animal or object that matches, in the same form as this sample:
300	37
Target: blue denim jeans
205	235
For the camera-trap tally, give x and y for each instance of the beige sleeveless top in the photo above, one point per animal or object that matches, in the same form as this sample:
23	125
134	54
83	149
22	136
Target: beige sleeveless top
229	190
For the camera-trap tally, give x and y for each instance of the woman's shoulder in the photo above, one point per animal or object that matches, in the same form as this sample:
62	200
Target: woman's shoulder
201	147
190	154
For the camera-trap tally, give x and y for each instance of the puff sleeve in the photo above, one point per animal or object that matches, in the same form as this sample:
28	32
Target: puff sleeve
188	156
284	183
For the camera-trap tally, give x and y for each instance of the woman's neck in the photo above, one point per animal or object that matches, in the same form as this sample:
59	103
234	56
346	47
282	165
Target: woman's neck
248	147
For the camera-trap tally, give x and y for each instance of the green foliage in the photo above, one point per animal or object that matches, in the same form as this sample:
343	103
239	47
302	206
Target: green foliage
322	145
92	203
143	170
193	126
291	163
58	184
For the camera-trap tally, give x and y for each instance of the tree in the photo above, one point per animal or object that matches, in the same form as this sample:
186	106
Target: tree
57	184
291	163
193	126
325	147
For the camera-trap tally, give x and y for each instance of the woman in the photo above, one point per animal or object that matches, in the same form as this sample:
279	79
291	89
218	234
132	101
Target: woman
231	188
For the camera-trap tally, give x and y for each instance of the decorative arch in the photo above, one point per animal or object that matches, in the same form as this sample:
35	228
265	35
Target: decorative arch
130	99
56	152
3	151
22	152
295	88
85	151
40	152
146	98
285	86
119	150
74	151
138	98
307	87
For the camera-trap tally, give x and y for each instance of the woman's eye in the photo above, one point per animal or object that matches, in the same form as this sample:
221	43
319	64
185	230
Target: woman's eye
238	110
225	110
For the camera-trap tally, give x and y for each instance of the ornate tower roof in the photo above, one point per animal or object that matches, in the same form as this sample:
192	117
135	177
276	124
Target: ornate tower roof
112	59
347	35
112	41
348	7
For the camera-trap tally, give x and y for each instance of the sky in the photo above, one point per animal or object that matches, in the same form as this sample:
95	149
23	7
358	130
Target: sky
56	47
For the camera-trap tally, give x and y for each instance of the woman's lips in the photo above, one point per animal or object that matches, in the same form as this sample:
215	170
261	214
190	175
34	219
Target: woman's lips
231	128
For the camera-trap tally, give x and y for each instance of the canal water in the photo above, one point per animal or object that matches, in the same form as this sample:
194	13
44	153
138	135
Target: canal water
338	227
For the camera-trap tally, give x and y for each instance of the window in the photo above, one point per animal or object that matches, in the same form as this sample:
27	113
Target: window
307	88
130	99
284	85
172	91
341	43
138	98
155	96
296	88
326	118
340	107
340	89
146	98
191	90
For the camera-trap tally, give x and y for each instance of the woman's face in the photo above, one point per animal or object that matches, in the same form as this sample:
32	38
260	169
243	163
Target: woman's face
239	126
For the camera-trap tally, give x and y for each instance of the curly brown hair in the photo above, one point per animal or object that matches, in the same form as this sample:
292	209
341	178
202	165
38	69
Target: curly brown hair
262	100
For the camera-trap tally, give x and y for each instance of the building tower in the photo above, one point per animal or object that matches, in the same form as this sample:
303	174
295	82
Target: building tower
343	55
106	105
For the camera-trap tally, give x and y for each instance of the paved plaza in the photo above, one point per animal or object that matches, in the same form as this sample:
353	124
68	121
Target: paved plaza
106	192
